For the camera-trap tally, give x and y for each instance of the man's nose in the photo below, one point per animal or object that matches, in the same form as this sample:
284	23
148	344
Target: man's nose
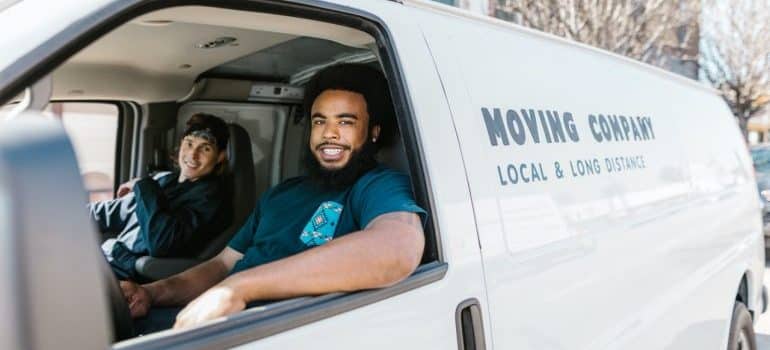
331	131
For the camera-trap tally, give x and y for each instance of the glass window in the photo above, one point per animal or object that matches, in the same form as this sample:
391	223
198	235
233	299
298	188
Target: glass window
92	128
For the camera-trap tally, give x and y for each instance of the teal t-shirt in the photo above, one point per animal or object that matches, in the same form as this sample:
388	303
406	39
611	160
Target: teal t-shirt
297	214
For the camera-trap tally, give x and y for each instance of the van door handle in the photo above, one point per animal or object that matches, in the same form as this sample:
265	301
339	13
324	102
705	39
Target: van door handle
470	329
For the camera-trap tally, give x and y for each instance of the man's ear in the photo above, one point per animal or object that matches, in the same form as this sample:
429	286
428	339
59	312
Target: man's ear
222	156
375	133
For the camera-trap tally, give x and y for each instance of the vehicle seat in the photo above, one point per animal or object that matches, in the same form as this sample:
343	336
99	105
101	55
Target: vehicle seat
241	189
393	155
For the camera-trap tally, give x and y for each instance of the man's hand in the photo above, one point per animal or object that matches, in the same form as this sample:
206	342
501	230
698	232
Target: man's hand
137	297
219	301
126	188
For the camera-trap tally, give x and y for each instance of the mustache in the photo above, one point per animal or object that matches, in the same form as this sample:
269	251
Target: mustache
345	147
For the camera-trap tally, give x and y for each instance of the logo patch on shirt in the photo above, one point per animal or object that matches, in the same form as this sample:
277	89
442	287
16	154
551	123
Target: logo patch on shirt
320	229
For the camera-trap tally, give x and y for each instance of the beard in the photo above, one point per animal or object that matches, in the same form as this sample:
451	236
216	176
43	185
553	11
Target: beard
359	163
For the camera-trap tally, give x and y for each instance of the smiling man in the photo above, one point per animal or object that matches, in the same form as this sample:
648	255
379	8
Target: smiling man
173	214
351	224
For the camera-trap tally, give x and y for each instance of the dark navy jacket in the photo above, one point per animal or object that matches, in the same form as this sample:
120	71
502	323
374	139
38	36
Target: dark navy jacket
161	218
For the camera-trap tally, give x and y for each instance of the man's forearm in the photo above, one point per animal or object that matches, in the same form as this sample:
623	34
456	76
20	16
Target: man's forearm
181	288
361	260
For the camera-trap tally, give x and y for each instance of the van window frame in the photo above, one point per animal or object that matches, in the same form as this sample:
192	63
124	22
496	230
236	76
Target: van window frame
121	110
248	326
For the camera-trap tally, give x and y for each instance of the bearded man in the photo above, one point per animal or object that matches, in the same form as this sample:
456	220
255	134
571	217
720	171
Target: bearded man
349	225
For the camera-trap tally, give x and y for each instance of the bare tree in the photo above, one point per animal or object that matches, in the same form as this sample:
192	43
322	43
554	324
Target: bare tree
652	31
735	49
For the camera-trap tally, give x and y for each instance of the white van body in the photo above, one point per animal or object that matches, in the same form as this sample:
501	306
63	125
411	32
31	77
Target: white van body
581	199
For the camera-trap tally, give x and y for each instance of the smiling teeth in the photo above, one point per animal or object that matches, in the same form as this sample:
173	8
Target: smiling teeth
332	151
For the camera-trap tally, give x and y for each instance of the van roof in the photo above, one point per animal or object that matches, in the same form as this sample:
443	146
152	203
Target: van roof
435	6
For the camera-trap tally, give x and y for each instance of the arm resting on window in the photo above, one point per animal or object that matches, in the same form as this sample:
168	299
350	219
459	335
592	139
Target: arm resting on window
387	251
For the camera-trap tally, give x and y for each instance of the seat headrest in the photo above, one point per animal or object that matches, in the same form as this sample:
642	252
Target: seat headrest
240	178
394	156
238	148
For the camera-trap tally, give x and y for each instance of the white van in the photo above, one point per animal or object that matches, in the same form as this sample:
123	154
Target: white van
576	199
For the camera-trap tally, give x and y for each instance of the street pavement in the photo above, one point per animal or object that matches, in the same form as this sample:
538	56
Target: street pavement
762	327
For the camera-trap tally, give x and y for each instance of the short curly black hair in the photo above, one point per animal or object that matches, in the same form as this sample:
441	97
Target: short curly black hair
358	78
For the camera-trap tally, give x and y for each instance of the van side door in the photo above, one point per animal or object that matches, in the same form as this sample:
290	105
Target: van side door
581	188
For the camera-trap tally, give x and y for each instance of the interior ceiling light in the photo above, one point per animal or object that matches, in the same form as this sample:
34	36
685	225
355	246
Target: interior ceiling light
218	42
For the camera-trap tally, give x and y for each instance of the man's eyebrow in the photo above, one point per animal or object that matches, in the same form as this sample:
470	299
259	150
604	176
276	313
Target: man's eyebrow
340	116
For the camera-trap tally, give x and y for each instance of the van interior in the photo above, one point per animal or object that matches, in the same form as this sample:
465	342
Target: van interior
125	97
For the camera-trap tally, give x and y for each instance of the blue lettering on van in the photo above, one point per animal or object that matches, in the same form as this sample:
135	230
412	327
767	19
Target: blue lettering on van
531	120
620	128
557	129
551	126
495	127
585	167
532	172
569	121
621	164
514	173
515	127
548	126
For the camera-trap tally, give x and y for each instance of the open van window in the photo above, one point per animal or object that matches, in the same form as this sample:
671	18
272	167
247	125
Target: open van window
250	68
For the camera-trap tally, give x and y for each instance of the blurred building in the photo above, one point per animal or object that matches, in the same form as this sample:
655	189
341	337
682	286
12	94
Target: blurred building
688	67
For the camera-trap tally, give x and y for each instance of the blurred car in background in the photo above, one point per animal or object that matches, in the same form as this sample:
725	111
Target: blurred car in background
760	155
